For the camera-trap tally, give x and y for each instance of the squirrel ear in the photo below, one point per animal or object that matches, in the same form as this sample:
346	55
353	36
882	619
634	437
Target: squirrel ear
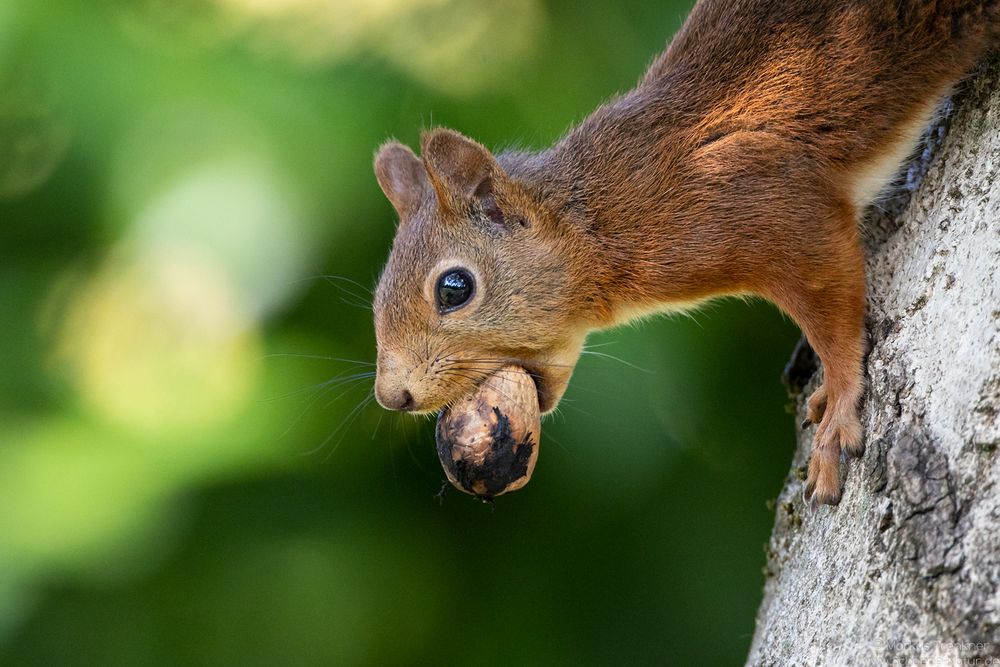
402	177
459	167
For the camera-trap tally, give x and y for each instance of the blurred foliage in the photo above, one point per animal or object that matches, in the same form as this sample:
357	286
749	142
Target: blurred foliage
189	472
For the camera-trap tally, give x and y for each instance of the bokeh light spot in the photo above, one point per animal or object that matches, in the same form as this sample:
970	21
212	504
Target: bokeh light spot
33	139
159	341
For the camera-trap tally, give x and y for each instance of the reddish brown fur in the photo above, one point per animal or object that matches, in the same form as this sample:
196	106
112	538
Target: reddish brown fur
738	165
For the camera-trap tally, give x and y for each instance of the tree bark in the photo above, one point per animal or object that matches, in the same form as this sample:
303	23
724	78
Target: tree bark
906	569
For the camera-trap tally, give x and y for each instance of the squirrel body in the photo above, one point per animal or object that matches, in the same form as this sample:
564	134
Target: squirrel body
740	164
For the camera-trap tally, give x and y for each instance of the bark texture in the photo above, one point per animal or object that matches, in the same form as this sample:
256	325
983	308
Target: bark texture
906	569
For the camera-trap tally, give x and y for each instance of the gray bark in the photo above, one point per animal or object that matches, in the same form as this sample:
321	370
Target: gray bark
906	569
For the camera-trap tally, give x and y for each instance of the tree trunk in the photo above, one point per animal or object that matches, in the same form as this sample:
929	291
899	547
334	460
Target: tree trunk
906	569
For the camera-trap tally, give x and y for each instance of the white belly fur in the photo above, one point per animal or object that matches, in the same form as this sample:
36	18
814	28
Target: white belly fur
873	177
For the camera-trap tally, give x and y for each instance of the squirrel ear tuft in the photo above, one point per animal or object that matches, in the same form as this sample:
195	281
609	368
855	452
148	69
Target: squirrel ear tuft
402	177
459	167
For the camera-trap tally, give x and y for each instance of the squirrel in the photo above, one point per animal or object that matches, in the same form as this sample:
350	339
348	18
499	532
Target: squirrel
740	164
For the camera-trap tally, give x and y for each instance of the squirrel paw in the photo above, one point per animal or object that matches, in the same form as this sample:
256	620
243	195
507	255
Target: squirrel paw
815	406
835	437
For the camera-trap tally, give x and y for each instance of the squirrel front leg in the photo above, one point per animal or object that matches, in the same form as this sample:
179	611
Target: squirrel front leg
825	294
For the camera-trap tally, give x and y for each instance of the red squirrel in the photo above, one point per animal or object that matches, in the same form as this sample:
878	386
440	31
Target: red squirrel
739	165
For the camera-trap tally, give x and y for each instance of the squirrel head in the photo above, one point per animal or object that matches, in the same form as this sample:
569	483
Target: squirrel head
477	279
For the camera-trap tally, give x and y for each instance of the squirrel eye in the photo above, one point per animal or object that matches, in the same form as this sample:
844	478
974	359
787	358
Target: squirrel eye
454	289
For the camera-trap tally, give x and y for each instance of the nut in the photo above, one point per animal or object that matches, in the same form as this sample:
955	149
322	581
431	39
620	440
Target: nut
488	442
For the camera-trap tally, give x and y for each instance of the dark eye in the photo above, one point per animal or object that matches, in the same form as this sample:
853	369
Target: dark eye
454	289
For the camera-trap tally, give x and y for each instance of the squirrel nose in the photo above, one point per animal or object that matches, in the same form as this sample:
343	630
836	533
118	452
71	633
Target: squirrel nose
397	400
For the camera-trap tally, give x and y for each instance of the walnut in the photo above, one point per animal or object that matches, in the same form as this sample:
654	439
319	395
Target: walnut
488	442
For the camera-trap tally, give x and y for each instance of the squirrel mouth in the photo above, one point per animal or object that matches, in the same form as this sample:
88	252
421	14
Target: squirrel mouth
544	398
538	377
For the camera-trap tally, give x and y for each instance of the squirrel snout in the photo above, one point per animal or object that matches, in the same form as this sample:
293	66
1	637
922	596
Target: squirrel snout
395	398
393	385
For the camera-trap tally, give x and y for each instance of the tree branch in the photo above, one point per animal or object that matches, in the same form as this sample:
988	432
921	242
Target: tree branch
907	568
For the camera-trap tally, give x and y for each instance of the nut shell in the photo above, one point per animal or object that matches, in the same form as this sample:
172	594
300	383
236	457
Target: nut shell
488	442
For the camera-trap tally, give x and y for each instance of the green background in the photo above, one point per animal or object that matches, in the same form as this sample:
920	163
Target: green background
180	483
